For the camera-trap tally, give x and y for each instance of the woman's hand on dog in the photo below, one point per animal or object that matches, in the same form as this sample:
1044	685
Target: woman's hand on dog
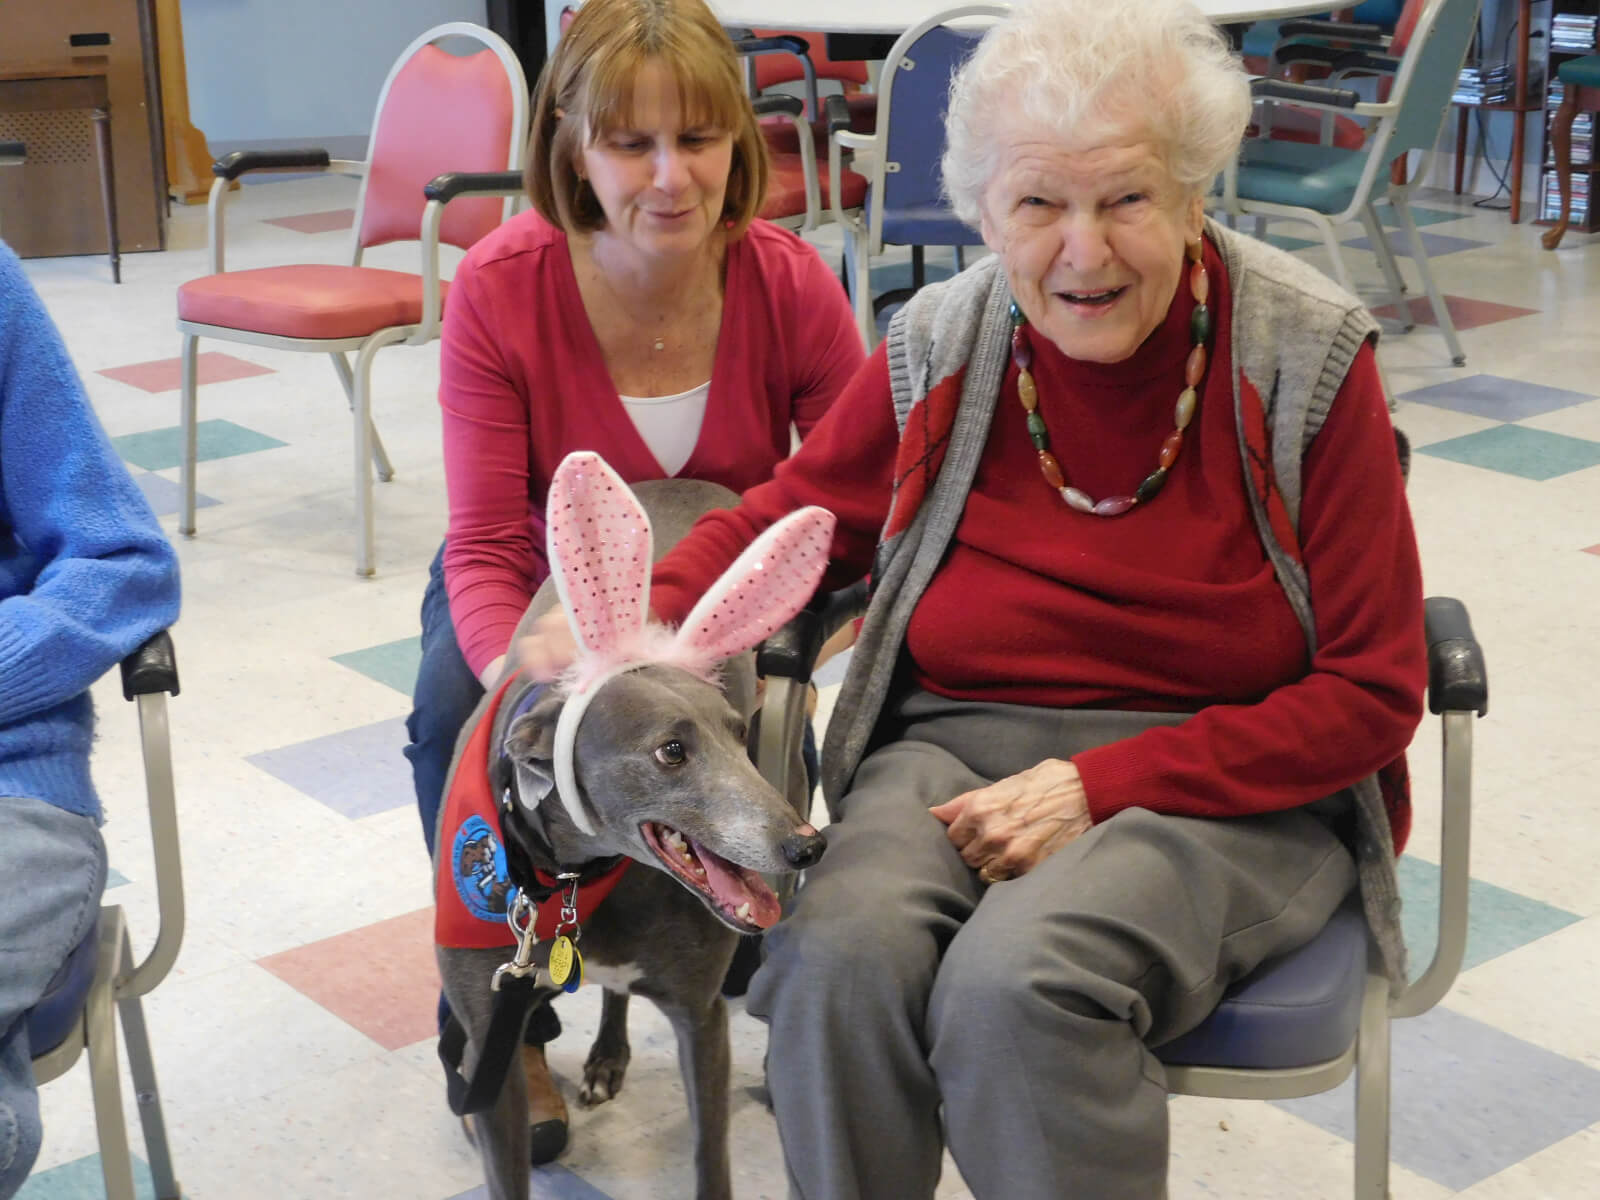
548	648
1008	828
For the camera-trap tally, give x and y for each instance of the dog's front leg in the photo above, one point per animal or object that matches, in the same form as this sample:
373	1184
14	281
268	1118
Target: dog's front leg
608	1057
703	1056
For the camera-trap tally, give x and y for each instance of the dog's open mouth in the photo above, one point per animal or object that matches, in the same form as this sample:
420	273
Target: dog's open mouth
739	895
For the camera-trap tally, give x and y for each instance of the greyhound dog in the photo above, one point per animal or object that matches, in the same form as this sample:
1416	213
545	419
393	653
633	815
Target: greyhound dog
659	774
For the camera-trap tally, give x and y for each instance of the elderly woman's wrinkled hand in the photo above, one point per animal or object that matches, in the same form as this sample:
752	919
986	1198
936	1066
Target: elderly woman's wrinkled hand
548	648
1008	828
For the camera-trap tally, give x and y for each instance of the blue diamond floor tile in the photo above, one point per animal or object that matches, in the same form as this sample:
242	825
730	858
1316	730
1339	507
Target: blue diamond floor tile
1496	397
81	1180
1498	920
1518	450
158	449
115	878
1433	244
358	772
166	496
1468	1100
393	663
549	1182
1422	216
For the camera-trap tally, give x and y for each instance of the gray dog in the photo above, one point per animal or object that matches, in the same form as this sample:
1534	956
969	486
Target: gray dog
665	779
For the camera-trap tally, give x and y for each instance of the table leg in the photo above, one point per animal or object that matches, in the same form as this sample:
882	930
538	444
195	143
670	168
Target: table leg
108	187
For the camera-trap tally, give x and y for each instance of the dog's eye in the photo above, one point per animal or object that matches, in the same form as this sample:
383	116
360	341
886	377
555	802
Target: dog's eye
671	754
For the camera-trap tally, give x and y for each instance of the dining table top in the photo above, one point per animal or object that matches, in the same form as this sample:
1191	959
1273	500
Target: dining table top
896	16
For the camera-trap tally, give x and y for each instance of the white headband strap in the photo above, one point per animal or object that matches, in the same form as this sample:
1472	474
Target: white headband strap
567	738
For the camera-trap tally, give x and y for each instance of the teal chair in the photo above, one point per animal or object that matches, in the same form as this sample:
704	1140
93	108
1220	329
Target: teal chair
1580	81
1329	186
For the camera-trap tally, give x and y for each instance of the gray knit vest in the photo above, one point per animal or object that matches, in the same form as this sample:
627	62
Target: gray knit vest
1295	335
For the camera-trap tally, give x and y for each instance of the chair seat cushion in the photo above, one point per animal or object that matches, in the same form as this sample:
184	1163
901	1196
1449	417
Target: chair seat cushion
305	300
1581	72
786	188
53	1018
1322	178
926	225
1294	1011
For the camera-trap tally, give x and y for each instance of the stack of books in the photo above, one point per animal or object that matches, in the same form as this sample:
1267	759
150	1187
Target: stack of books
1550	198
1582	143
1573	32
1483	85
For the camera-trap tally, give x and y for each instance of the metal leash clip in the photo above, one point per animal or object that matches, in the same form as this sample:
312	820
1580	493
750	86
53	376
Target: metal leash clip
522	917
569	906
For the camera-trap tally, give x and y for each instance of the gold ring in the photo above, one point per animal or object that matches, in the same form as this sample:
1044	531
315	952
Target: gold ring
990	876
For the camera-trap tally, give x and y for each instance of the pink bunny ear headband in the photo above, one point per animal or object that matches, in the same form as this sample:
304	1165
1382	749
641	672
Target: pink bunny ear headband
599	545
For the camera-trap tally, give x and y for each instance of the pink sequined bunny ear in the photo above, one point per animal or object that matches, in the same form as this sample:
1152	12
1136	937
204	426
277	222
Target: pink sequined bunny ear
600	554
765	586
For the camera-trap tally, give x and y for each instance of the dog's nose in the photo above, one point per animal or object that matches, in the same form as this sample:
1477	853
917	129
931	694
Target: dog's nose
802	850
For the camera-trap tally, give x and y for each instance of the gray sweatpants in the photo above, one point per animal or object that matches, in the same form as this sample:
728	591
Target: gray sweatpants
1026	1011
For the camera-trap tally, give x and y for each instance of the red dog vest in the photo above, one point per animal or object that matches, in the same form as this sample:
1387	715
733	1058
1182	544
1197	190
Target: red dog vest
472	888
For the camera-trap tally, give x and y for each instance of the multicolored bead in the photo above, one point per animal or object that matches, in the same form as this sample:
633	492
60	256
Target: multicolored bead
1194	369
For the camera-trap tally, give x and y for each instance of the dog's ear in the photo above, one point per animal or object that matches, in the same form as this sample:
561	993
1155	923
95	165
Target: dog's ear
530	745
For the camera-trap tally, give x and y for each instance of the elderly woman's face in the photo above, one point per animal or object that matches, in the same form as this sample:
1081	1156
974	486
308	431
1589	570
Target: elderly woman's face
1092	240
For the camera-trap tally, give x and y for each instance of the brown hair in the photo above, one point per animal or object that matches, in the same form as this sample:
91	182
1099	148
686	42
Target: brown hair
587	87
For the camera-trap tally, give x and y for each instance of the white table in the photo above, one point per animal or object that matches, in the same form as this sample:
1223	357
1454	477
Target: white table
897	16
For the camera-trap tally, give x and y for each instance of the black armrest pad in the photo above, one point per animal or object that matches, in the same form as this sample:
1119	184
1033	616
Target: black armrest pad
1457	678
231	166
13	150
791	651
836	111
785	43
1343	31
1296	53
1303	93
445	188
767	106
152	668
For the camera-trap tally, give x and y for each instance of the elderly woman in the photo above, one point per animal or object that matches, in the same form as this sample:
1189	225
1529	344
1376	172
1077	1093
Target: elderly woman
640	310
1144	650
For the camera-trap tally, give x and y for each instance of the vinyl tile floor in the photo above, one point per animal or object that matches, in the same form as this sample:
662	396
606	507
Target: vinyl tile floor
294	1041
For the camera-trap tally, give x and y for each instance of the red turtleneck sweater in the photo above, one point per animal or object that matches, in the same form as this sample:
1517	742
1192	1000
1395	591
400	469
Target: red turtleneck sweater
1170	607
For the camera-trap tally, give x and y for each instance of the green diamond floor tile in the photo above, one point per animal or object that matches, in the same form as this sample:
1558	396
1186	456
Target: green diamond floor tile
1498	920
158	449
1518	450
393	663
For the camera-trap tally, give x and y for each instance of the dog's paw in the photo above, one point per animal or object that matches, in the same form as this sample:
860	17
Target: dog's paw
602	1077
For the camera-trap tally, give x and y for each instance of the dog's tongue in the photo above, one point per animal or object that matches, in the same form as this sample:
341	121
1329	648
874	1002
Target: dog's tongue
734	885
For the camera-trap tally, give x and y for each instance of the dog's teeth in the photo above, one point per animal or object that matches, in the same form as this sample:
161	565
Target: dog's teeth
700	871
743	911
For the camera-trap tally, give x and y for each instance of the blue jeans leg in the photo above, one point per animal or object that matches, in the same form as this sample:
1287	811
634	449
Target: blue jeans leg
55	867
446	693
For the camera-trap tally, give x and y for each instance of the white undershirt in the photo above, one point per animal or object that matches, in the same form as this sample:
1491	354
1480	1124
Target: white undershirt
669	425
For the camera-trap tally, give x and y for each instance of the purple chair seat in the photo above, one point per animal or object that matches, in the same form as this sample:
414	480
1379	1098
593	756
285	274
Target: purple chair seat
1294	1011
51	1020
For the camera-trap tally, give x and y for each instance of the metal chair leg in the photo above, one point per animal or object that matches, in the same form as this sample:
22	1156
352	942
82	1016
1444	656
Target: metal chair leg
100	1034
1441	311
1391	269
188	415
141	1066
1372	1093
380	457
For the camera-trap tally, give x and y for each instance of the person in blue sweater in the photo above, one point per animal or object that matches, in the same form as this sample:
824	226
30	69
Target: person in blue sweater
86	575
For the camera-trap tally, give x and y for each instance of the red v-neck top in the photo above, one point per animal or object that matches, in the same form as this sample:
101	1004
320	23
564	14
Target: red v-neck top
523	383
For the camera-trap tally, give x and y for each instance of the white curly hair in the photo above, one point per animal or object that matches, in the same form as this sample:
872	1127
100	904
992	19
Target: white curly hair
1092	70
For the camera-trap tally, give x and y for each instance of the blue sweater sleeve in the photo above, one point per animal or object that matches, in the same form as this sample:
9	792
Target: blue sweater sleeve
86	574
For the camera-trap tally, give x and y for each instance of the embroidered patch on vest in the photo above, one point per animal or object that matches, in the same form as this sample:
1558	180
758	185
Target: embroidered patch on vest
479	869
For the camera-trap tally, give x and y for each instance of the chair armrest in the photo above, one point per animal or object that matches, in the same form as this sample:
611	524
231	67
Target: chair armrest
231	166
152	668
445	188
782	44
792	650
12	153
1457	678
767	106
1304	93
1342	31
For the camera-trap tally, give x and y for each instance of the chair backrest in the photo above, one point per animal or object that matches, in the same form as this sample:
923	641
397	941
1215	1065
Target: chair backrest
1405	25
1429	70
913	97
773	69
442	112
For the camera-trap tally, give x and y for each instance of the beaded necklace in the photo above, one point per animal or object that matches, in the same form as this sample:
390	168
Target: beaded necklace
1193	372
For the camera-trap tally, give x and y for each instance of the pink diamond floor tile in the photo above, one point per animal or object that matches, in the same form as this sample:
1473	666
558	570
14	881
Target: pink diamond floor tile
381	979
1464	311
165	374
317	222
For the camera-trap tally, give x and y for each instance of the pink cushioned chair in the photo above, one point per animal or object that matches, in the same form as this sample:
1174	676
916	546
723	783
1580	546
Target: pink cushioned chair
439	113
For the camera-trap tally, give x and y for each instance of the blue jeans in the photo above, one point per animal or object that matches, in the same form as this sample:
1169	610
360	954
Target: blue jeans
54	865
